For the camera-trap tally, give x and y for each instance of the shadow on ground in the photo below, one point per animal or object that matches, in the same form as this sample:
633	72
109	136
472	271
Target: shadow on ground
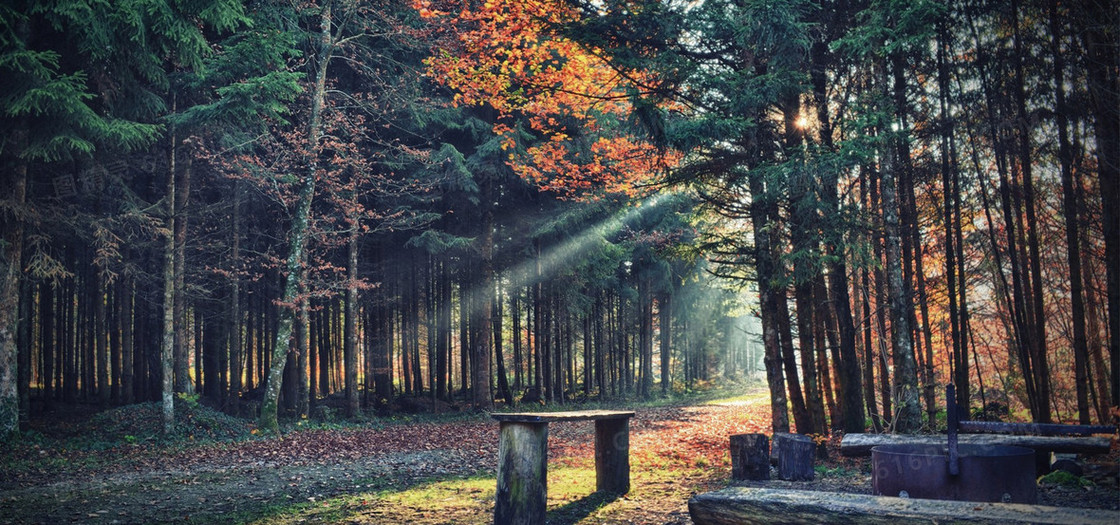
574	512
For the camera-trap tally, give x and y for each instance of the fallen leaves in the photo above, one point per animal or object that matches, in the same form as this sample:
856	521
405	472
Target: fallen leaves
674	451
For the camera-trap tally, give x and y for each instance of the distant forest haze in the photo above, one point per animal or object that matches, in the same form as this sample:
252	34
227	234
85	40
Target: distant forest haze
383	206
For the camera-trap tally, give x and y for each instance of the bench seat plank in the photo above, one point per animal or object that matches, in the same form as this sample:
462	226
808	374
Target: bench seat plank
551	417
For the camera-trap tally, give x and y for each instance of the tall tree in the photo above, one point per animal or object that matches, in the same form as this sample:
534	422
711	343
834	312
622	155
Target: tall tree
301	217
1099	27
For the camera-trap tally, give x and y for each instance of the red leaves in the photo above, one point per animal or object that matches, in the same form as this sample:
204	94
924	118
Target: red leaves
505	56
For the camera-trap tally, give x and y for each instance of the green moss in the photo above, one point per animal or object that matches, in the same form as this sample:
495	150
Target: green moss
1064	479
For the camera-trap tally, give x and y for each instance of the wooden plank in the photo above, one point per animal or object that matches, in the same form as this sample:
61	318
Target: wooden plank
1040	429
860	444
743	505
550	417
522	493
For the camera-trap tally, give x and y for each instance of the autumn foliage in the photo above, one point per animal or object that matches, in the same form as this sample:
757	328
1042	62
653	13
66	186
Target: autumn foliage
561	109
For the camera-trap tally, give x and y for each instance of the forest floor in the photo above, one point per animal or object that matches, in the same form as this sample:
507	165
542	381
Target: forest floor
430	470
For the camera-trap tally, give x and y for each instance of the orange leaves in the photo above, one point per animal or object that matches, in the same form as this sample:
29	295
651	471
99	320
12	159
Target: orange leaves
505	55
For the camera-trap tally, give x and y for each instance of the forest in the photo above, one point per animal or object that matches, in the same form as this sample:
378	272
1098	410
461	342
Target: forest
280	207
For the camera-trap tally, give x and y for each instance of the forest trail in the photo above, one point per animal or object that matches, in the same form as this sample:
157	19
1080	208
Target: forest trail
365	475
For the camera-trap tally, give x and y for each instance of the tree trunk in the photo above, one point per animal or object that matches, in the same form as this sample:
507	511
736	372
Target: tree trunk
11	257
1040	360
297	236
482	305
353	406
803	298
1069	207
380	327
499	358
182	183
950	191
765	264
905	369
167	347
234	319
1099	35
304	393
125	292
665	312
838	285
645	337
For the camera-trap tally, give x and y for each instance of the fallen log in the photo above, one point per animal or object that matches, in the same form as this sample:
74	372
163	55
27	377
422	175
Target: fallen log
1038	429
743	505
860	444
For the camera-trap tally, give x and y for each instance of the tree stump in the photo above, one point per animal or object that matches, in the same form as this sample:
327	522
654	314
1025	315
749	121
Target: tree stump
795	456
750	457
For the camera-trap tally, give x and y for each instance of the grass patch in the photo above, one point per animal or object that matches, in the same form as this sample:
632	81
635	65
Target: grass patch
753	395
469	500
460	500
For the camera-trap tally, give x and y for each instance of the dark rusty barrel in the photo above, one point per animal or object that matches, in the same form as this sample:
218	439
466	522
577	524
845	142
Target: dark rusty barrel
987	473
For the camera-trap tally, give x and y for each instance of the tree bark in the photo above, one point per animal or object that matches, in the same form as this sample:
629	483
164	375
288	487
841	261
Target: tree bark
765	268
1099	32
499	357
167	346
750	457
350	348
234	319
11	257
482	305
665	313
959	356
1069	207
182	188
1040	360
297	236
906	391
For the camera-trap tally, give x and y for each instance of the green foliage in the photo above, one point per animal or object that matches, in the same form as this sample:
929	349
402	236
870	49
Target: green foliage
435	241
94	75
892	26
1062	478
248	81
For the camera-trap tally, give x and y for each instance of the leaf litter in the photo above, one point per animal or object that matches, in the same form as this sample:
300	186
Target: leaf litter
349	474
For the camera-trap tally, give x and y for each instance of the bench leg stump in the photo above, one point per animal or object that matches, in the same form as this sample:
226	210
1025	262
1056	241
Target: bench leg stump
612	455
522	492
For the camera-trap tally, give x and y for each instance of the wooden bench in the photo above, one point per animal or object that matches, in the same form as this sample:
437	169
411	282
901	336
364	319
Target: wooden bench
523	459
740	505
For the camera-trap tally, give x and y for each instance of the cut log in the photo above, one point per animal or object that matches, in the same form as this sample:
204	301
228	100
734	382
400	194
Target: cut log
860	444
612	455
742	505
795	456
750	457
522	491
